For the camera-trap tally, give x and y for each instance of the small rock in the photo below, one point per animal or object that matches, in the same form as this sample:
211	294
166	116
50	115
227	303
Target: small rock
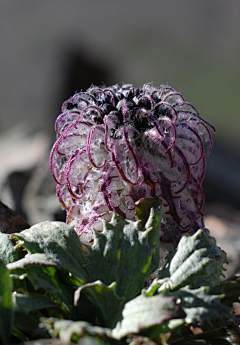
11	221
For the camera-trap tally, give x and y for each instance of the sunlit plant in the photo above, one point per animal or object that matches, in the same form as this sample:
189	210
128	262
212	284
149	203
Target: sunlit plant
118	145
129	163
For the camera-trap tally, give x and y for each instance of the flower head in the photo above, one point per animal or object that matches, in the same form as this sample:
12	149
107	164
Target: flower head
118	145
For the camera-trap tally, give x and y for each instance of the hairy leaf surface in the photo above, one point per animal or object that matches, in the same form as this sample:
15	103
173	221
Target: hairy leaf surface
125	253
8	252
197	262
144	313
55	238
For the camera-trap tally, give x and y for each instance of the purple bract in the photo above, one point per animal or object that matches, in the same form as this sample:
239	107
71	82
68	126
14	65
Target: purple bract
118	145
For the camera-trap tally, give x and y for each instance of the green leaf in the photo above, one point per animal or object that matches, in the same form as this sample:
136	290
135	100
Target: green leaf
42	270
19	334
34	259
197	262
27	323
27	303
201	306
56	239
192	277
143	208
84	310
6	311
19	283
230	289
8	253
125	253
144	315
105	299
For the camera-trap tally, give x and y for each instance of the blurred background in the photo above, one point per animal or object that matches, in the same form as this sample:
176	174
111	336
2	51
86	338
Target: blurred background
51	49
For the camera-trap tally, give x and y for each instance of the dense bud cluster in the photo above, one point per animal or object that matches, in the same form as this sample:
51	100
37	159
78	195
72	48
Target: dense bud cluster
118	145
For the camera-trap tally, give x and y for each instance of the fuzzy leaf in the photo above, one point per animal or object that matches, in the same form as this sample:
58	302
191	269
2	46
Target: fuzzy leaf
34	259
42	271
192	277
125	253
55	238
201	306
197	262
8	252
105	299
6	311
144	313
68	330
